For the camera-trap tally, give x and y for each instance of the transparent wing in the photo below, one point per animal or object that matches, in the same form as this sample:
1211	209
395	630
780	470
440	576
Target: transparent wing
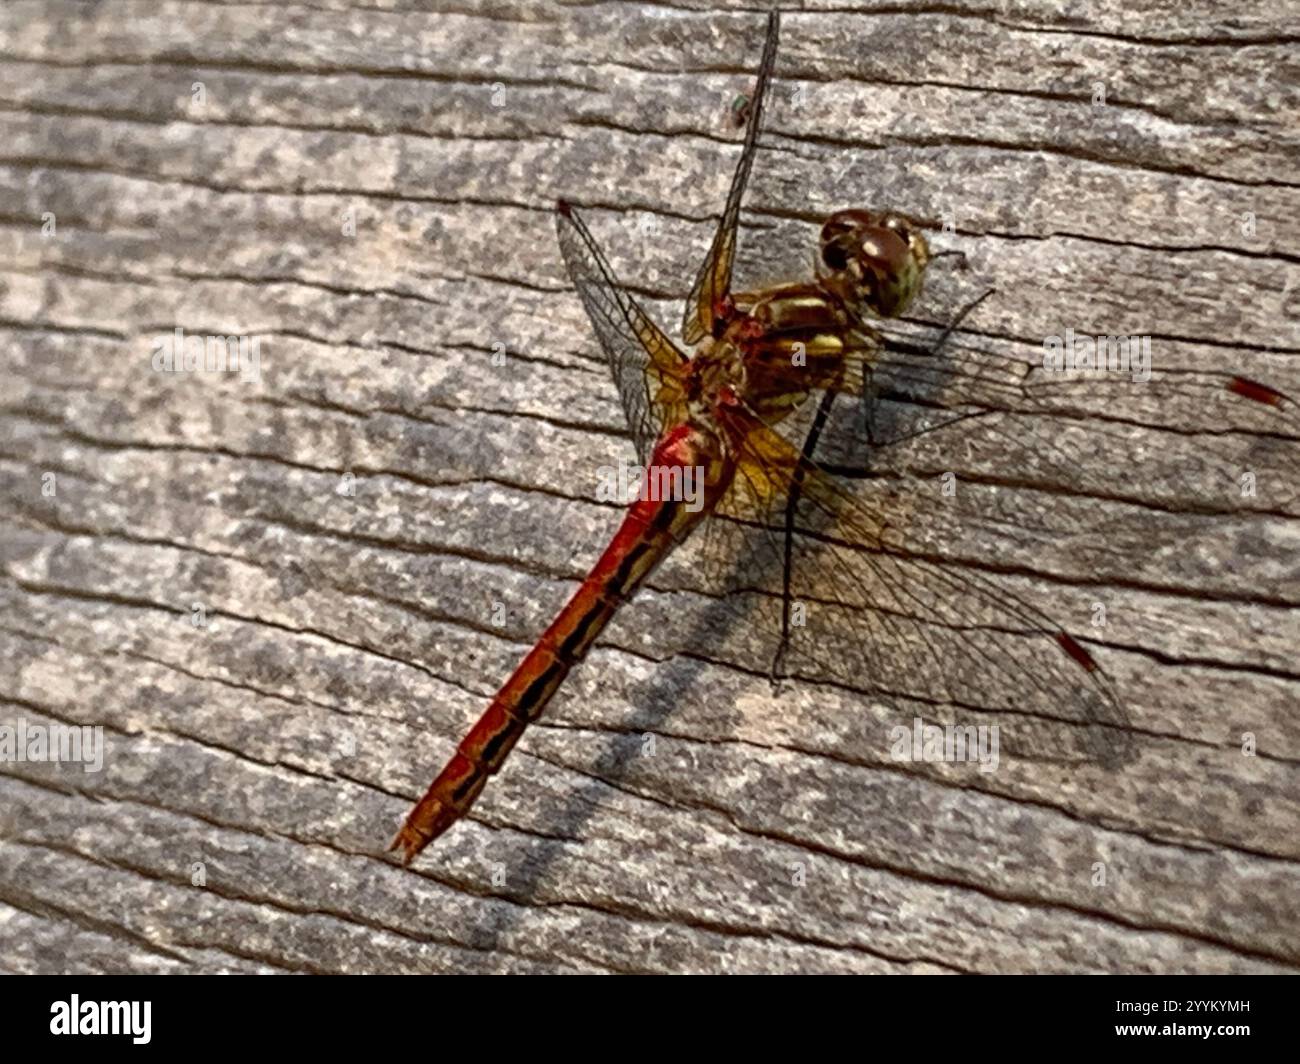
879	615
645	364
984	408
713	282
896	599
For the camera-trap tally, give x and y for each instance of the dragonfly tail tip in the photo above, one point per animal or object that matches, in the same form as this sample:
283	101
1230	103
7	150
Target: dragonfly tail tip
408	843
429	819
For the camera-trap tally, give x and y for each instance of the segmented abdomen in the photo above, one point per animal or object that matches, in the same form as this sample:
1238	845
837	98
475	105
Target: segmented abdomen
648	533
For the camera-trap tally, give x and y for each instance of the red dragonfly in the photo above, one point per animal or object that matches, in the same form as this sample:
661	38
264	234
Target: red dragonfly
832	590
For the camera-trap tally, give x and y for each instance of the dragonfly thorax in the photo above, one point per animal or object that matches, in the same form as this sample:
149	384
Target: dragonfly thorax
715	375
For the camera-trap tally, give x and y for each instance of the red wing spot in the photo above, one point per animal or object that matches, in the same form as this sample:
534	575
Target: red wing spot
1260	393
563	207
1075	651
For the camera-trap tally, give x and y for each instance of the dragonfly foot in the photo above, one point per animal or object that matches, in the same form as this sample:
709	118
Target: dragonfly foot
775	676
960	256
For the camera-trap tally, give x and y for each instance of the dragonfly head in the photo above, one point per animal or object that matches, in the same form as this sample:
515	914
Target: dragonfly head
873	259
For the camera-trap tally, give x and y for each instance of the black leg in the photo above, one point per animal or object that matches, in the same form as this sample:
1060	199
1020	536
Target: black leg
868	404
960	317
869	395
791	506
863	473
960	256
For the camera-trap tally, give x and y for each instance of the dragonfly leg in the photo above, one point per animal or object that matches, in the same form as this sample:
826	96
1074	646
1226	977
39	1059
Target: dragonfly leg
791	508
862	473
855	472
869	405
959	318
959	255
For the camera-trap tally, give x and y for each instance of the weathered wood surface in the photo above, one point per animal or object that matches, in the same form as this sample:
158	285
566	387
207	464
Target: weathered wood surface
352	637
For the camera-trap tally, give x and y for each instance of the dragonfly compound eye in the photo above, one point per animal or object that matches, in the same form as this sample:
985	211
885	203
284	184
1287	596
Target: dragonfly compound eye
834	255
891	270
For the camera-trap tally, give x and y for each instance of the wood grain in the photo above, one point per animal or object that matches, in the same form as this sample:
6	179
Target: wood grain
671	813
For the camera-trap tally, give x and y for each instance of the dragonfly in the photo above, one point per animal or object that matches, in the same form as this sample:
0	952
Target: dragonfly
834	591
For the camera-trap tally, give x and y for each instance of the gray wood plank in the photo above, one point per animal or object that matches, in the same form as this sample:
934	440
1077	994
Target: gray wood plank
671	812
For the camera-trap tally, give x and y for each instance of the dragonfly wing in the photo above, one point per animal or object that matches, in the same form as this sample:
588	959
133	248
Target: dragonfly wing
713	282
1197	430
875	616
645	364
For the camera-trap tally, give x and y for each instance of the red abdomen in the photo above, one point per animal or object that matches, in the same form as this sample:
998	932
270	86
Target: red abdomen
649	531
